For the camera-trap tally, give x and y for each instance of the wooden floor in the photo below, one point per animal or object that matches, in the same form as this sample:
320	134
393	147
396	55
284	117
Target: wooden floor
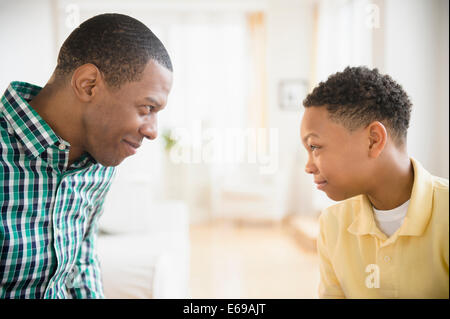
250	261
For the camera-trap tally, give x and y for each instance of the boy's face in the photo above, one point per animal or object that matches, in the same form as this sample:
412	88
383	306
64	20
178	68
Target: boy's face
337	158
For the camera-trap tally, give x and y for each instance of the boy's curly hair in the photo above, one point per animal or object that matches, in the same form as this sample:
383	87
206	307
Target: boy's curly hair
358	96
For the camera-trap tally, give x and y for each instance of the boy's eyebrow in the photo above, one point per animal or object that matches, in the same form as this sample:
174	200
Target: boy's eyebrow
307	136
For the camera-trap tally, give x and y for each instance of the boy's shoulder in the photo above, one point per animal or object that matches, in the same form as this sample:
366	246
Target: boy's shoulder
342	213
440	184
440	200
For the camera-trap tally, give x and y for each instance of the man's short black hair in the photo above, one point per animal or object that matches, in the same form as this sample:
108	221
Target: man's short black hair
358	96
120	46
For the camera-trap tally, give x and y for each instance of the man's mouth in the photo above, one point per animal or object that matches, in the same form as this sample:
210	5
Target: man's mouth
131	147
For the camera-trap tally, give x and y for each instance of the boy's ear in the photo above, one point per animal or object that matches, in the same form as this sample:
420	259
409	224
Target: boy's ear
377	134
85	81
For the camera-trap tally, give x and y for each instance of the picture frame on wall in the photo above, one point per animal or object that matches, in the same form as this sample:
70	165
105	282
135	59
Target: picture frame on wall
292	93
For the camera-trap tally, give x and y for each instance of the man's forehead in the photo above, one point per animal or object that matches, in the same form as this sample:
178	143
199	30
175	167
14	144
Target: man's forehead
159	101
152	92
156	73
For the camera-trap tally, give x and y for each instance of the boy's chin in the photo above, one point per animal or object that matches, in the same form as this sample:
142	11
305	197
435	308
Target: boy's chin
338	196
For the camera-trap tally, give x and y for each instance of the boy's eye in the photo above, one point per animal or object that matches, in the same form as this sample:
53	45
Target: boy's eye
313	147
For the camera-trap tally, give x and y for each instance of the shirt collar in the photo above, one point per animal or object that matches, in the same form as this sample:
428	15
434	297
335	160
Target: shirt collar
417	217
32	131
29	127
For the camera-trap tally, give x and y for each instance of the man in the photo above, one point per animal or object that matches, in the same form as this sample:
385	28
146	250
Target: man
58	149
388	238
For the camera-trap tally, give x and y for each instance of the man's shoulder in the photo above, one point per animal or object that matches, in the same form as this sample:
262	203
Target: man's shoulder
7	136
4	127
107	172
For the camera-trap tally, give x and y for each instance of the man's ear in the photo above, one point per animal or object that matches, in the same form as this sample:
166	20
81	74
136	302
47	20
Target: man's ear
377	135
85	81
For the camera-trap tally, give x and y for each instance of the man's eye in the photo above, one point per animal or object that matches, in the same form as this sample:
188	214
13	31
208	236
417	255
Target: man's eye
313	147
149	108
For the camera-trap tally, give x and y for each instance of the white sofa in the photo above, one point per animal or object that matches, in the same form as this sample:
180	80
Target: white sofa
143	245
145	256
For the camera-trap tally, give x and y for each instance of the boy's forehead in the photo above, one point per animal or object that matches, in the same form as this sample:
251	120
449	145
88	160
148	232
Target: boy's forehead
315	120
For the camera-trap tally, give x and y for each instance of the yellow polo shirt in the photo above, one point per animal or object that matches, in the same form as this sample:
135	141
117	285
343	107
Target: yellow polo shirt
357	260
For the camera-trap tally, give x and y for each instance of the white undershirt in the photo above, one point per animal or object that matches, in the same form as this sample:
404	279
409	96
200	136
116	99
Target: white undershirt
388	221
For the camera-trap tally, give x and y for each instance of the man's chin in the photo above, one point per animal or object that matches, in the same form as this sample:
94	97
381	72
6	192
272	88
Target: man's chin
109	161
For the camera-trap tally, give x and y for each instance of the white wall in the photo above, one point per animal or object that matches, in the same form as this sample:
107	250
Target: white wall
28	51
413	49
411	45
289	41
290	26
443	90
416	56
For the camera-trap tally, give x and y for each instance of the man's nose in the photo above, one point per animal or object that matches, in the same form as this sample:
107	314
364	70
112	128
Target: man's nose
310	168
150	128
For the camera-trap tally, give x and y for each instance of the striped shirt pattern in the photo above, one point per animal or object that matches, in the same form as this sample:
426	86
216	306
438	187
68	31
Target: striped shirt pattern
49	211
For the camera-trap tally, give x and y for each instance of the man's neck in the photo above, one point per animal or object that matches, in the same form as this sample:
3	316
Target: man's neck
54	107
394	183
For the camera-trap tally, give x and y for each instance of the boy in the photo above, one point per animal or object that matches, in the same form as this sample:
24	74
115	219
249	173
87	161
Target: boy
388	238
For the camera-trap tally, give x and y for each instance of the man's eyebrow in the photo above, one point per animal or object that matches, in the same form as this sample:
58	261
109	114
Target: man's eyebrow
307	136
153	101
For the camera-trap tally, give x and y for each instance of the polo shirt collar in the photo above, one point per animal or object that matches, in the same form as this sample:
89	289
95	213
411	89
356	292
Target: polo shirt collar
417	216
421	203
28	126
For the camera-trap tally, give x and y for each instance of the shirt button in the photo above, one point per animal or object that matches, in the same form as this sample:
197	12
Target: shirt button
62	147
387	259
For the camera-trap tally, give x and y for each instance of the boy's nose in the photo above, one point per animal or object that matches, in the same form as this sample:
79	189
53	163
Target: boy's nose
310	168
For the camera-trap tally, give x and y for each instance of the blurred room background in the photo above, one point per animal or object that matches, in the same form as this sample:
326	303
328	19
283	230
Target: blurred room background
219	206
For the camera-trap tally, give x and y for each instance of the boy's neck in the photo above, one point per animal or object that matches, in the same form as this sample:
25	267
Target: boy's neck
393	184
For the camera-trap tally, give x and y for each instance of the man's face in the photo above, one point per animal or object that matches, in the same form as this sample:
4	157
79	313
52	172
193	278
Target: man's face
121	118
337	158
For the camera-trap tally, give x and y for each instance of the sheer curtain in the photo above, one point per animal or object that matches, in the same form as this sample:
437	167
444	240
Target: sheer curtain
343	38
209	98
210	70
209	52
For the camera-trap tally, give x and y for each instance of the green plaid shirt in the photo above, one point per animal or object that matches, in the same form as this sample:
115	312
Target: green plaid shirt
49	211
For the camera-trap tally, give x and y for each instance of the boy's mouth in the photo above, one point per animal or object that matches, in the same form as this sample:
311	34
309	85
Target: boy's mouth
321	184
